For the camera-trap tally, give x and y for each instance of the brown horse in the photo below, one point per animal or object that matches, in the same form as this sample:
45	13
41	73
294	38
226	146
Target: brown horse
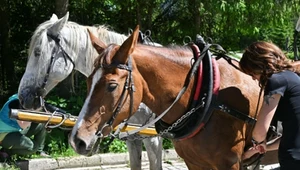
127	75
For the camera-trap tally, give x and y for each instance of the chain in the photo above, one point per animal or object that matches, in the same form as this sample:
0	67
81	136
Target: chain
193	110
182	118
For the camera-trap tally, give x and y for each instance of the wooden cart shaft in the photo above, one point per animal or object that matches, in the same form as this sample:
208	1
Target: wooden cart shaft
55	119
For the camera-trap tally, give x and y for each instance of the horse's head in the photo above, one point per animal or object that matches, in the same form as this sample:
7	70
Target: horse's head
111	87
48	62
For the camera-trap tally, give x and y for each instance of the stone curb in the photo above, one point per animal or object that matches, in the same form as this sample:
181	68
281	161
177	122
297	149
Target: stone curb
82	161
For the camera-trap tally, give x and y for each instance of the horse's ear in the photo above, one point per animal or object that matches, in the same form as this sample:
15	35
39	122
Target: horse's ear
58	25
53	18
128	46
98	45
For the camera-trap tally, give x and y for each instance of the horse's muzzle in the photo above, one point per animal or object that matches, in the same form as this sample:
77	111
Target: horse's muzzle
85	147
29	99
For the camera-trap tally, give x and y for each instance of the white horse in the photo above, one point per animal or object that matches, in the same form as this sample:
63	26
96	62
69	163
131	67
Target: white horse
56	48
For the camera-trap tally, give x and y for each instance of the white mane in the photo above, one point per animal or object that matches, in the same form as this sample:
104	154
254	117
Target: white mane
75	49
77	36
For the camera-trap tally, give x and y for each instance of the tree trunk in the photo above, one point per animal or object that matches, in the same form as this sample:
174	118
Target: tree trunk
61	7
138	13
7	73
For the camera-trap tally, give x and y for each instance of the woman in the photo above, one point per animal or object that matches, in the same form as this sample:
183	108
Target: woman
276	75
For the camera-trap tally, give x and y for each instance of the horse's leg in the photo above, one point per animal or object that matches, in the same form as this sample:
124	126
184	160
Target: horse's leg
154	151
135	154
153	145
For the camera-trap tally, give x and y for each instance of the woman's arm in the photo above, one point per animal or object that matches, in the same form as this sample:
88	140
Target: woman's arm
264	117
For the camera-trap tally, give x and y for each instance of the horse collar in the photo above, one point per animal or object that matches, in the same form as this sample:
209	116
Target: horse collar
205	100
206	89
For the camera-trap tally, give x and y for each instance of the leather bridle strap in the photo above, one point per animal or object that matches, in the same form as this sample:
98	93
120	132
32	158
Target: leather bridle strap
129	85
54	52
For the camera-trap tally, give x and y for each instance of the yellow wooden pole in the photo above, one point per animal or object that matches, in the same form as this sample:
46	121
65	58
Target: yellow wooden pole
43	117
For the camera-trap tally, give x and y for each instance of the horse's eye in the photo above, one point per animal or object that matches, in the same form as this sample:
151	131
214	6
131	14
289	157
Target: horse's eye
37	52
112	86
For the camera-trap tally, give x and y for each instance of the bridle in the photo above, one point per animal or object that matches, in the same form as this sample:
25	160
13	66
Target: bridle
128	86
66	56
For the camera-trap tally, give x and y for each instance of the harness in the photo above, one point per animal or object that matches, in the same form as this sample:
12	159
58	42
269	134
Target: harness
203	104
206	95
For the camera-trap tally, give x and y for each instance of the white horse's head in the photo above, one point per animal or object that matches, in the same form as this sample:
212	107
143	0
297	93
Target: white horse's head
56	47
48	62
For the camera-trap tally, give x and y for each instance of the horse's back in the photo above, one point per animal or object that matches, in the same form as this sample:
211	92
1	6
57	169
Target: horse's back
237	89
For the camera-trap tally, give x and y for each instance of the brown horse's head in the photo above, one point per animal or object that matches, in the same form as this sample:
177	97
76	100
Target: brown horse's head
110	88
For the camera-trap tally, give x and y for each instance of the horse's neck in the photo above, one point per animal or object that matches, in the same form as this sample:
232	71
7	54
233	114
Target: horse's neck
162	77
109	37
79	48
82	49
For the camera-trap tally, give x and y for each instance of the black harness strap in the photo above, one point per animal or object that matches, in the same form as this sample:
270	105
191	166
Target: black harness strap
235	113
228	59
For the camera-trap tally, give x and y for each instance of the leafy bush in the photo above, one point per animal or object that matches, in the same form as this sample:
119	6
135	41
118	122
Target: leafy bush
117	146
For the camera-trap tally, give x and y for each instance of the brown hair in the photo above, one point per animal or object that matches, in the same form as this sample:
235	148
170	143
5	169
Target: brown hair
264	58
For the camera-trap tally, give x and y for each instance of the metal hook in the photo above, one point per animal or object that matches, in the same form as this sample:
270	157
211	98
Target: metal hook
186	40
130	31
148	33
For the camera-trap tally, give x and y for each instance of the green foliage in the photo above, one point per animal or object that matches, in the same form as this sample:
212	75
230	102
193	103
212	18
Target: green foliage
57	148
117	146
57	143
232	24
74	102
167	144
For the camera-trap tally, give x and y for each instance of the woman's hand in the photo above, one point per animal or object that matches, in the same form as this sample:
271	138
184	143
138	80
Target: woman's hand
257	148
262	148
249	153
23	124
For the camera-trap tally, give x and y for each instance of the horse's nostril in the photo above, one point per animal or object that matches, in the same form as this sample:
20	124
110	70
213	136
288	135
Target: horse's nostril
80	145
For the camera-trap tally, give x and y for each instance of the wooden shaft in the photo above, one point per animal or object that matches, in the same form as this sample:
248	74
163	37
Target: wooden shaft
43	117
